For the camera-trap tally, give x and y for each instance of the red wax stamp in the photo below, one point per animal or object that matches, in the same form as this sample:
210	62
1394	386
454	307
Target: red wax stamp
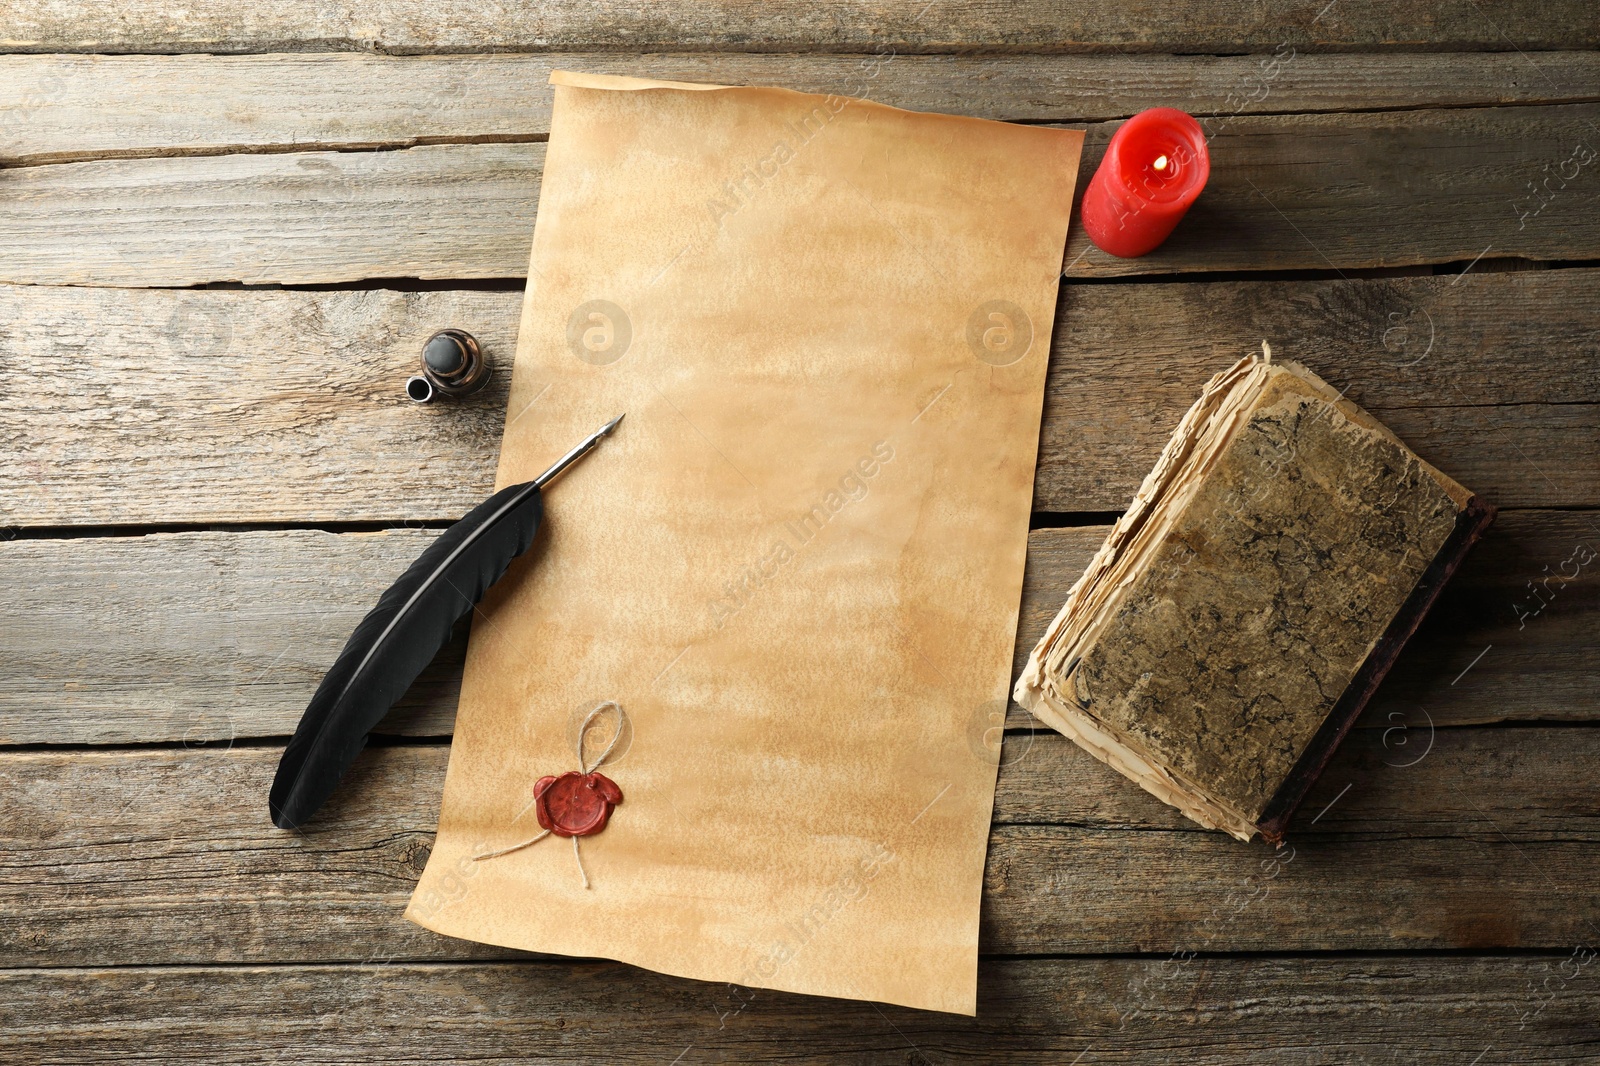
1154	167
575	804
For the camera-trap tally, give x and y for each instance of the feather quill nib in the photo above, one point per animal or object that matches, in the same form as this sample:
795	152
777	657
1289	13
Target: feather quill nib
584	448
401	635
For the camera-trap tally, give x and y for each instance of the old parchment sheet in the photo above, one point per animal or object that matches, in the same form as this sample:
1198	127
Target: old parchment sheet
797	564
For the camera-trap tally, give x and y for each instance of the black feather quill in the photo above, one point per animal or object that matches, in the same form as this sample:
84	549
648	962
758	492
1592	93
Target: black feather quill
393	643
401	635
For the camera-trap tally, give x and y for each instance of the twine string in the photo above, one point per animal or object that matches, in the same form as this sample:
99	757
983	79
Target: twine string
583	767
579	859
583	731
514	847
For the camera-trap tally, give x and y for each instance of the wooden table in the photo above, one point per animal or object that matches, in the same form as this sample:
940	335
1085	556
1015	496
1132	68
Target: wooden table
225	229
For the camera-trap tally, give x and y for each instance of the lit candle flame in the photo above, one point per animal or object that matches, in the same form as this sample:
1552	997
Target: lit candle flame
1161	163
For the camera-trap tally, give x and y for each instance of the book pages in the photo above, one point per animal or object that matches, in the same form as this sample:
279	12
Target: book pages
1218	629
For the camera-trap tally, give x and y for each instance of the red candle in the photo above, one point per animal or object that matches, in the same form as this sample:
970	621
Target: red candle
1154	167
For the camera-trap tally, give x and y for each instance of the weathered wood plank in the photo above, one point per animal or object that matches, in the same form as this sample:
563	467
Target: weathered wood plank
1050	889
167	856
1464	368
1403	781
1206	1011
162	407
1512	635
194	637
427	212
226	406
208	637
793	26
1381	190
1287	192
76	107
170	406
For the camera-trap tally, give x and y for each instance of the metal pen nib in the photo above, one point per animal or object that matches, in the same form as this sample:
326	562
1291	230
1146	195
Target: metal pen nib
577	453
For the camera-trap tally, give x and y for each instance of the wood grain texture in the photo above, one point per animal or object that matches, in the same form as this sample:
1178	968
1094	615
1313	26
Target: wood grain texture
793	26
427	212
169	406
1406	780
1443	361
1210	1011
188	104
203	638
1381	190
274	407
167	856
195	637
227	406
1340	191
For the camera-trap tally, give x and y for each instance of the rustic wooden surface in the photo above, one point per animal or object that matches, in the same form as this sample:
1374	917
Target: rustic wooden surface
182	403
1297	199
207	637
224	229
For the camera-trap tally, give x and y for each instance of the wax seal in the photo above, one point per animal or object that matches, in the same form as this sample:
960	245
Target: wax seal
575	804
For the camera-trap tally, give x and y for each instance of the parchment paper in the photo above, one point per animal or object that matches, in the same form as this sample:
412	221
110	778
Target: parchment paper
798	562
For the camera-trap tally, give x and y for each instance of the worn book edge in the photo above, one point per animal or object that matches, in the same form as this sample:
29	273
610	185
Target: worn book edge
1201	437
1206	426
1470	525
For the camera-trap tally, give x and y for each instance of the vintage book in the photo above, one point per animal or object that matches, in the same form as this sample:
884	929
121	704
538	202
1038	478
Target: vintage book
1244	609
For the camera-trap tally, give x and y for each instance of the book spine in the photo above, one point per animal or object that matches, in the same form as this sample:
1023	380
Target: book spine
1470	524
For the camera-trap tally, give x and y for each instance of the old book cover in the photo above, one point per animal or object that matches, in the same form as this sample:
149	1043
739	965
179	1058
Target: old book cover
797	565
1245	607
